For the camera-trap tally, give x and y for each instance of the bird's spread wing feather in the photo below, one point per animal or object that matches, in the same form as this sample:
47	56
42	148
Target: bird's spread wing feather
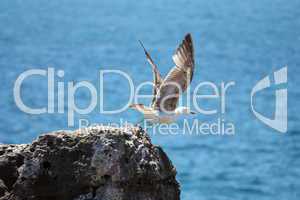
157	80
178	79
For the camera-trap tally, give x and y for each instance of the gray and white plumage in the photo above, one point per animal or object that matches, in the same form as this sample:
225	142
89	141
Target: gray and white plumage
166	91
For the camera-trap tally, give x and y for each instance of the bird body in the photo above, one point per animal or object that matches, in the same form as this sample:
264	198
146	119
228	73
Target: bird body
166	91
155	116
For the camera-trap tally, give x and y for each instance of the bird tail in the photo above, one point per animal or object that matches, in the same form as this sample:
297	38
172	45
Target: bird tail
141	108
137	106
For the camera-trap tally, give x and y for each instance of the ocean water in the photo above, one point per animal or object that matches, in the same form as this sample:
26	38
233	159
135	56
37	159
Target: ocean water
240	41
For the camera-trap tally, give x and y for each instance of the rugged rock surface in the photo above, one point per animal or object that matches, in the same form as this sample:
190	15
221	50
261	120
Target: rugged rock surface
97	163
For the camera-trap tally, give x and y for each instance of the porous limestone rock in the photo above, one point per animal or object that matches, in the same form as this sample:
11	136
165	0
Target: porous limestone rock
95	163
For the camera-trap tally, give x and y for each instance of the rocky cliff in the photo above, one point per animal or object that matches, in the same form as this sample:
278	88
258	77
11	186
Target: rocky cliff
96	163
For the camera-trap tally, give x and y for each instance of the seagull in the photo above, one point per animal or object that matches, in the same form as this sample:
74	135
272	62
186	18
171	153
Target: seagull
166	92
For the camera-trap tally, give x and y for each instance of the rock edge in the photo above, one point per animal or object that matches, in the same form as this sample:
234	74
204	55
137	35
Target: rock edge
95	163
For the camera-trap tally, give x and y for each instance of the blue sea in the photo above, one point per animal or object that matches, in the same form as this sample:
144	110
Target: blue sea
240	41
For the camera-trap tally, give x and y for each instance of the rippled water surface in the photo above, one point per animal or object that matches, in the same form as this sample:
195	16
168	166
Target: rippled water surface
240	41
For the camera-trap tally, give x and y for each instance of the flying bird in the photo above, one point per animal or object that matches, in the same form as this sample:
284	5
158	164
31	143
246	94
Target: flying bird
166	91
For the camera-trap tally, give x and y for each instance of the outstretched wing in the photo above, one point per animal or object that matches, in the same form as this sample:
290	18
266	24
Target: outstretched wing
157	80
178	79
